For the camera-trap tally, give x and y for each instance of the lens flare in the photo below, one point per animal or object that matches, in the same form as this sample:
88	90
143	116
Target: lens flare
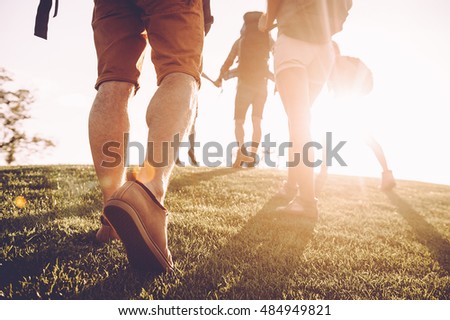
132	173
20	202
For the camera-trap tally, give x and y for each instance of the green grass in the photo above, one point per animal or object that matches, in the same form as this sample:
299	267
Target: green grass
227	240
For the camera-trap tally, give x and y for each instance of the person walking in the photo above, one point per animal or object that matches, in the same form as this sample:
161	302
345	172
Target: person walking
134	211
303	61
351	78
251	51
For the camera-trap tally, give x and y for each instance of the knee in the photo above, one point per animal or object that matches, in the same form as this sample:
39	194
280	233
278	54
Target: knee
239	123
116	88
179	80
256	122
113	95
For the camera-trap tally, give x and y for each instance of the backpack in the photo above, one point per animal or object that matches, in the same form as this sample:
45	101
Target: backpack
313	20
350	76
254	48
43	15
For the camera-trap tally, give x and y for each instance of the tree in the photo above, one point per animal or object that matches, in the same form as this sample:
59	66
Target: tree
13	111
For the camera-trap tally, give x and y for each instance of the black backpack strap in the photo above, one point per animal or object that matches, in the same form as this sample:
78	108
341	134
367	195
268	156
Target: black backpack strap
208	18
42	17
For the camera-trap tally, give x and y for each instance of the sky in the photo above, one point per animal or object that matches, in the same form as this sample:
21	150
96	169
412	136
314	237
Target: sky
405	44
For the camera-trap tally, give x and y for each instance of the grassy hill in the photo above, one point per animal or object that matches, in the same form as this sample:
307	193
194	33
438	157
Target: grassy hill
227	240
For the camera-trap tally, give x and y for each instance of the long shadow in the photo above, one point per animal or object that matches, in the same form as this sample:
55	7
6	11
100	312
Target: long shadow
52	250
195	178
426	234
259	262
123	285
13	224
45	253
37	275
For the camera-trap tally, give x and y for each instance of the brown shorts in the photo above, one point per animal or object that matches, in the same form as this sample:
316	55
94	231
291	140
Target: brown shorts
247	94
174	29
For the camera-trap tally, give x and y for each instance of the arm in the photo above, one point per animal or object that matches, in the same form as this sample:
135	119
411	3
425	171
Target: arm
230	59
267	20
228	62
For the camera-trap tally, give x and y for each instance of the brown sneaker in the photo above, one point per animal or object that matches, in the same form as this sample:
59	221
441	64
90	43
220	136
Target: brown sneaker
298	206
141	223
106	233
387	181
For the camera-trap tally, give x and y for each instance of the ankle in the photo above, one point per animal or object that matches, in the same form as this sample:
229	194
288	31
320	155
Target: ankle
157	189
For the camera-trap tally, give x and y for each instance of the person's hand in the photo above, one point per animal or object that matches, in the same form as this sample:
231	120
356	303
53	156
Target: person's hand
262	23
218	82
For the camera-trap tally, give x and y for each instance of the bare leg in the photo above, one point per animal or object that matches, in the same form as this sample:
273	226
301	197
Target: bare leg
387	178
170	112
294	91
108	121
256	137
322	177
191	151
239	131
298	96
378	151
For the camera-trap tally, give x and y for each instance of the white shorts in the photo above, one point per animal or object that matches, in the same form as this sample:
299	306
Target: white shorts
317	59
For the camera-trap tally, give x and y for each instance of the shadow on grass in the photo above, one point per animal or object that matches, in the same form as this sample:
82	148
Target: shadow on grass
49	248
13	224
61	266
191	179
258	262
123	285
44	259
426	234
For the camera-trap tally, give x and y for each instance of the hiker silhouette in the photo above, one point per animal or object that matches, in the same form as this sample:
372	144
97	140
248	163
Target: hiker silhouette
303	58
351	79
251	51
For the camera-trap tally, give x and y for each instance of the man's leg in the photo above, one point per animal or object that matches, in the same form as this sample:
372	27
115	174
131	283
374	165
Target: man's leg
191	152
191	139
259	100
239	132
242	103
170	113
256	139
108	121
257	132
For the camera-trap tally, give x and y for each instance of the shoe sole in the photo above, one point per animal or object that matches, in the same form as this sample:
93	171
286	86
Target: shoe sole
142	252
